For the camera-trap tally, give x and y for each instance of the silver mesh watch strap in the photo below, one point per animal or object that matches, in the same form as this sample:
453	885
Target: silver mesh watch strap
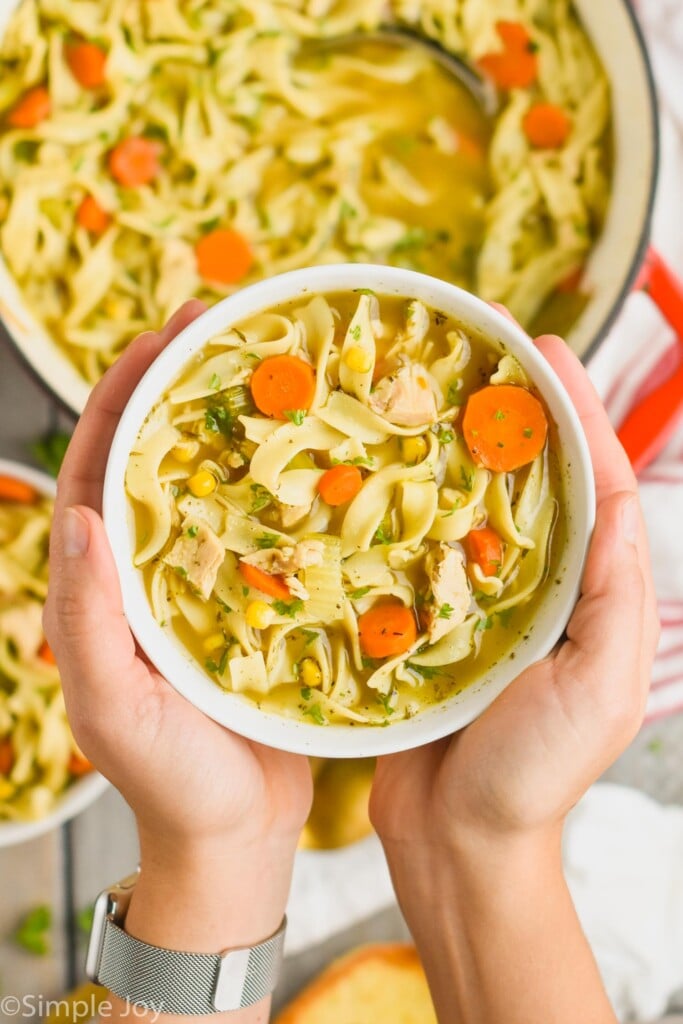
188	983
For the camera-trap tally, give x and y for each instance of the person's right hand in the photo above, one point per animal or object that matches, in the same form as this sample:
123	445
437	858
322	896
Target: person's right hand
532	754
472	825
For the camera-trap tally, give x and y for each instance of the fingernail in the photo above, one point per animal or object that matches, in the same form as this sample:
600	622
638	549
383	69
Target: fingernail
630	520
75	533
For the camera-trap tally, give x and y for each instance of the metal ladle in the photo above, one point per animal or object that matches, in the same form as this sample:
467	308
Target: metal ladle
482	89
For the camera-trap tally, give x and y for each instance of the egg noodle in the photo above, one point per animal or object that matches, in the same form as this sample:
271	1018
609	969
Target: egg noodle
38	757
270	539
310	155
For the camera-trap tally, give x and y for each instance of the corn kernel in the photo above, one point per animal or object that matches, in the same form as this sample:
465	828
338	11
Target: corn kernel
185	451
358	360
213	642
259	615
413	449
202	484
309	672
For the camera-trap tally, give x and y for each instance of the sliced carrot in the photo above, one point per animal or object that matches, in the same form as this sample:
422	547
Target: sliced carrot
282	384
504	426
340	484
469	147
514	36
224	255
273	586
135	161
46	654
516	65
92	217
33	107
571	283
387	630
87	63
6	756
78	764
486	549
547	126
12	489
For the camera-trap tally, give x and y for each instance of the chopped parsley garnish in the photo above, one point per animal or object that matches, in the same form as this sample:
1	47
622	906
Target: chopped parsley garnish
426	671
445	611
220	667
264	541
296	416
483	624
179	570
453	395
346	210
358	460
354	332
290	608
245	591
192	531
505	616
215	382
356	595
385	700
445	436
222	605
261	497
370	663
364	291
316	714
499	414
383	534
528	432
466	479
311	636
306	692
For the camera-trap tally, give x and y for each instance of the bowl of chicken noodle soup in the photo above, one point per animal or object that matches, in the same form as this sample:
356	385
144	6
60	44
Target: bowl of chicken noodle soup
44	777
348	506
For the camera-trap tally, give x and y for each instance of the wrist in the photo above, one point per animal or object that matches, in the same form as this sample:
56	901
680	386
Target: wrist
209	896
475	867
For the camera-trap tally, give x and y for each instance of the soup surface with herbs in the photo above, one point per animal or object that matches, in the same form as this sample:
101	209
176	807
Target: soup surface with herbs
346	508
156	150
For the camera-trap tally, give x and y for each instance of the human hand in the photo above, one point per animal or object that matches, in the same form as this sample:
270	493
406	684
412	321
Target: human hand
532	754
214	810
472	825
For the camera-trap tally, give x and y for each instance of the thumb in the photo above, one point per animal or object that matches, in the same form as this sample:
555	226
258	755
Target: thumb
606	631
84	620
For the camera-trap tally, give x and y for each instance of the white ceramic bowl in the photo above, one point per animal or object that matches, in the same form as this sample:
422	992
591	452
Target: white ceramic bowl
239	714
85	790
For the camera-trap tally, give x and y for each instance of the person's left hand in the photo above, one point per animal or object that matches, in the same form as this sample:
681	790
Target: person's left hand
206	801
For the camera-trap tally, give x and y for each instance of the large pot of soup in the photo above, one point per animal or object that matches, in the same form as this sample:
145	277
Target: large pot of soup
154	151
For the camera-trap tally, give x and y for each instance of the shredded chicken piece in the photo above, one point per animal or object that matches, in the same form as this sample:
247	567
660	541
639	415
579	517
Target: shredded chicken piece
197	555
286	561
406	397
451	597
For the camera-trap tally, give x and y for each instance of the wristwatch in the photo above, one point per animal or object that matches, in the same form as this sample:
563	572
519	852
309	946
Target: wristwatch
173	982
